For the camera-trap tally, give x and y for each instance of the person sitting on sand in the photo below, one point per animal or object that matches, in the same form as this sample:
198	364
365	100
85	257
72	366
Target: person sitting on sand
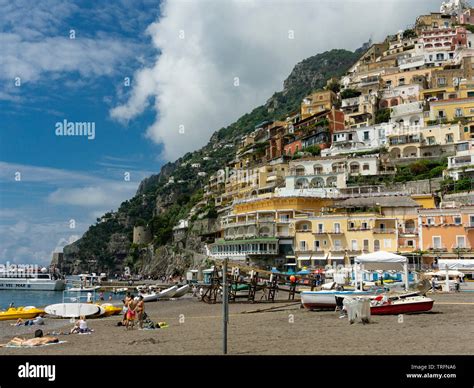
140	311
80	326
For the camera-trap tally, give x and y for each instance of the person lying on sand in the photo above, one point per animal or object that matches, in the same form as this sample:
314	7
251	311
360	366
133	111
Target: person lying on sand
38	340
29	322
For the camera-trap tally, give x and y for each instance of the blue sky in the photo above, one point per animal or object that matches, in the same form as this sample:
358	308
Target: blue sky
182	58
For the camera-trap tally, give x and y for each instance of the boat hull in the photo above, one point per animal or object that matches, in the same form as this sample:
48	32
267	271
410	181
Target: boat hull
168	293
15	313
181	291
31	284
402	308
315	300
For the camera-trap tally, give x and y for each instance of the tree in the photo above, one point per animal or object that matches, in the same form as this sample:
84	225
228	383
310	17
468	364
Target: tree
382	116
350	93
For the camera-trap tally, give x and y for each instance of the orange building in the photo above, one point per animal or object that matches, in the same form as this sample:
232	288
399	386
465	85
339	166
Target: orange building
446	233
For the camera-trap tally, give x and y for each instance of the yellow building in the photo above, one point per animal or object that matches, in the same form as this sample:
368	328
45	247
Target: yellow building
317	102
408	77
336	238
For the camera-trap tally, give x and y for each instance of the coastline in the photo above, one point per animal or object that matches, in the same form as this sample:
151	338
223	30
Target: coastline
280	329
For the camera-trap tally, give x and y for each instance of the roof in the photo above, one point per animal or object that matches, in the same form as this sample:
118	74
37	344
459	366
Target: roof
383	201
380	257
251	240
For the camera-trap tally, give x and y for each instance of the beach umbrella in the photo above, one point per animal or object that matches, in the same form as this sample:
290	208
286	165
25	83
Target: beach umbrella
274	270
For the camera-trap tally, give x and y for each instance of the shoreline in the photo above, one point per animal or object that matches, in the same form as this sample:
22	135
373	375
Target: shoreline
195	328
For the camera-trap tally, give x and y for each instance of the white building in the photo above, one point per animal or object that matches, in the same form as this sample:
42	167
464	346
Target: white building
410	114
463	162
357	140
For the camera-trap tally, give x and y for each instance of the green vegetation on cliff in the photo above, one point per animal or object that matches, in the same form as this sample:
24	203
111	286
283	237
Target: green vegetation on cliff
160	204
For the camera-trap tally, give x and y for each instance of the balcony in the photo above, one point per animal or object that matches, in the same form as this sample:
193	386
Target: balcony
358	229
383	230
409	231
335	231
408	139
438	248
303	230
322	231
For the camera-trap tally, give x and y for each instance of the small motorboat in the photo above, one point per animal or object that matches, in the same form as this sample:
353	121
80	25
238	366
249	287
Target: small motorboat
168	293
402	305
28	312
83	289
181	291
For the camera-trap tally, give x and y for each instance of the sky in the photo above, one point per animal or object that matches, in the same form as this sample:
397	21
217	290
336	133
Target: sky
151	80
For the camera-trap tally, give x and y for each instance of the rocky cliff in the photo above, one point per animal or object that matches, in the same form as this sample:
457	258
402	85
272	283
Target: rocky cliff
107	246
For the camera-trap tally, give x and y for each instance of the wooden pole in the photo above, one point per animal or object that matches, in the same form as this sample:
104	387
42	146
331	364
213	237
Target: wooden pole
225	306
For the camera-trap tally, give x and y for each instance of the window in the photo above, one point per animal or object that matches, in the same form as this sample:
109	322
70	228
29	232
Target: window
430	221
449	138
366	135
431	140
441	114
351	225
316	245
401	81
337	245
302	246
458	112
441	81
366	245
320	228
436	242
350	136
387	243
471	220
354	245
411	243
365	167
376	245
460	241
365	225
337	227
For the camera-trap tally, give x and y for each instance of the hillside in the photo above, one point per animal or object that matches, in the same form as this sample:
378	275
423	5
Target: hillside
107	244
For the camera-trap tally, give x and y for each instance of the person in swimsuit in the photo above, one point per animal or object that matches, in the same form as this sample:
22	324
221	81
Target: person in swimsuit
131	313
140	311
17	341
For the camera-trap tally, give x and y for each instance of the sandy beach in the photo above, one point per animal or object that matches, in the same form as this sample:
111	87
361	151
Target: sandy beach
195	329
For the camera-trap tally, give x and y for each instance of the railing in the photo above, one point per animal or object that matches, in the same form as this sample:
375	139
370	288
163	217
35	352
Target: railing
440	248
303	230
358	229
383	230
335	231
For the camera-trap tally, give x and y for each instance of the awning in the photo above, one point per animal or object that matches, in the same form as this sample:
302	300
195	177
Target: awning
271	178
336	258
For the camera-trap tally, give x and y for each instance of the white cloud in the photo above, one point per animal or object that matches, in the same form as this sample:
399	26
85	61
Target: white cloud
35	42
192	81
108	195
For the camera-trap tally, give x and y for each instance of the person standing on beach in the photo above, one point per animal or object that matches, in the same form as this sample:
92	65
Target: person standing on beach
140	311
433	284
126	301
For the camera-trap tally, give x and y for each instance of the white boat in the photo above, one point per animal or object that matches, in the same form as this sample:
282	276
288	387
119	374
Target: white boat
31	281
181	291
325	299
83	289
72	310
150	297
168	293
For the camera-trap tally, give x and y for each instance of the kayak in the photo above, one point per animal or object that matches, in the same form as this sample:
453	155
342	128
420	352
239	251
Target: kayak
20	312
